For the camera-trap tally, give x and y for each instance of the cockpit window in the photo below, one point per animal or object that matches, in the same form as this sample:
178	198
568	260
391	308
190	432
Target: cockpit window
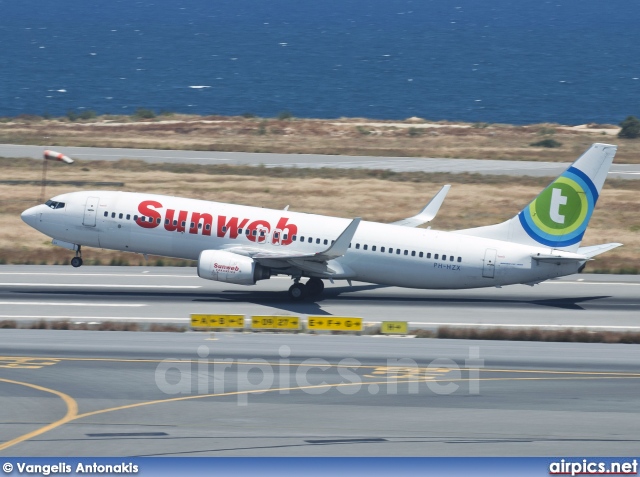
54	205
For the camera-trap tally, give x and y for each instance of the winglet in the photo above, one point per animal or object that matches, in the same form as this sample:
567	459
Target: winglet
341	245
428	213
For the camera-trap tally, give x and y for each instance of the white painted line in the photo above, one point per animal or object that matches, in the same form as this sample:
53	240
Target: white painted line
41	303
551	282
137	275
88	285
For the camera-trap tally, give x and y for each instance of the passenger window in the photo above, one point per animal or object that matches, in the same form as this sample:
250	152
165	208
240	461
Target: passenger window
240	231
420	255
199	225
120	216
262	233
444	257
349	245
310	239
451	258
158	220
406	252
293	238
183	223
390	250
373	248
113	215
135	217
285	236
398	252
166	221
332	242
364	246
382	249
193	224
247	232
128	216
302	238
255	233
435	256
224	229
175	222
208	226
459	259
429	255
106	214
326	242
317	241
413	253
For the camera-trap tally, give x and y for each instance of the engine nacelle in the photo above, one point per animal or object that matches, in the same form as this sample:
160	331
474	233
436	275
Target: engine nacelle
230	268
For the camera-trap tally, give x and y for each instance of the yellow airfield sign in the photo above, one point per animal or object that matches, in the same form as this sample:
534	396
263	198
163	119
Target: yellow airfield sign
217	321
394	327
334	323
269	322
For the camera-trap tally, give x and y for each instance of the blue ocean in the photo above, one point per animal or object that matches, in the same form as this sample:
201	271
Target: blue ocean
508	61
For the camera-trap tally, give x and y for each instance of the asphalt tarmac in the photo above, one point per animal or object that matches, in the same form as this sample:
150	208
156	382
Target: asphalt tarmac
169	295
397	164
75	393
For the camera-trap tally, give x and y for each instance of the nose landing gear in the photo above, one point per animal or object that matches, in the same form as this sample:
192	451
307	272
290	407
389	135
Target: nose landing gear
77	260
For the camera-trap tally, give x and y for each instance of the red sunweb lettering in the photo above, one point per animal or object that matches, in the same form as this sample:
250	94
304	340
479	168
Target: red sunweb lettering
178	227
231	227
146	211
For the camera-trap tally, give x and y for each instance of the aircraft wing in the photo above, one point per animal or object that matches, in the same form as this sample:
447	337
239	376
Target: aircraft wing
428	213
308	262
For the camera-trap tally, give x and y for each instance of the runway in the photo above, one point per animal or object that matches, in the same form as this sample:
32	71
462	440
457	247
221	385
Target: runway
169	295
185	394
265	394
396	164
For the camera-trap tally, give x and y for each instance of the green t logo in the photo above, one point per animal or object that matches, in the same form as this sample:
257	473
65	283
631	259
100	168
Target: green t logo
557	199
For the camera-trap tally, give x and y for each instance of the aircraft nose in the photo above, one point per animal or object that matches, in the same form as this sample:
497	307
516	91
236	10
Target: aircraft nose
29	216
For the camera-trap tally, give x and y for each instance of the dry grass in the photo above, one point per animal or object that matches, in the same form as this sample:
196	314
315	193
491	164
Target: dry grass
102	326
536	334
373	195
354	136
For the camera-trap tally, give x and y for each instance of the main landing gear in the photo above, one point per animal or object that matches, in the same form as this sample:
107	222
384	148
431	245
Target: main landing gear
77	260
311	289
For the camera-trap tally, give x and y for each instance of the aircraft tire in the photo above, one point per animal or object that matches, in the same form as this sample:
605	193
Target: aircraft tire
315	286
76	262
297	291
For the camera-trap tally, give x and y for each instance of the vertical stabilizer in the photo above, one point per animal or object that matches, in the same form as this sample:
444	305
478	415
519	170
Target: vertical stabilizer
559	216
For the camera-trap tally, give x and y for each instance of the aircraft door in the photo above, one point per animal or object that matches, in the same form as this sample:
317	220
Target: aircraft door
90	212
489	266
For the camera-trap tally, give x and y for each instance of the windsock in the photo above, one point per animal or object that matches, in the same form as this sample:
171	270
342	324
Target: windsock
57	156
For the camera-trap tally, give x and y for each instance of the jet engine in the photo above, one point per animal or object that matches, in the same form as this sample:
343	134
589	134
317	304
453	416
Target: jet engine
230	268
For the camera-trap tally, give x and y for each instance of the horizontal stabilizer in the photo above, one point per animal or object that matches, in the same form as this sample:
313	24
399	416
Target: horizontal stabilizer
428	213
597	249
559	257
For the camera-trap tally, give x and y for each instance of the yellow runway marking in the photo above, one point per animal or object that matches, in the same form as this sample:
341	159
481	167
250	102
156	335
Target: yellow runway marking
26	363
72	412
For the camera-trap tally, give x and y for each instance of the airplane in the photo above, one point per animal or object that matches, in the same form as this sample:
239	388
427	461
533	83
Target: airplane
242	245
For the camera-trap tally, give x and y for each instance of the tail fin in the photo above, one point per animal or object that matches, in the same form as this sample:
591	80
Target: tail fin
559	216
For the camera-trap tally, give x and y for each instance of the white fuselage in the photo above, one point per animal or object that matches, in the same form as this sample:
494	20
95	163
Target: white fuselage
379	253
